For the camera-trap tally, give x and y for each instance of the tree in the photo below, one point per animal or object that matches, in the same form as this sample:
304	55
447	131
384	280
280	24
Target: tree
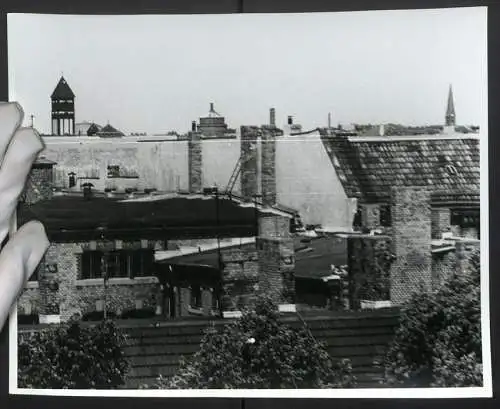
438	342
259	351
71	356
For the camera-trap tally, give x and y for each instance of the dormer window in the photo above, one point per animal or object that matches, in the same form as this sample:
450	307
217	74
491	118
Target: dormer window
452	170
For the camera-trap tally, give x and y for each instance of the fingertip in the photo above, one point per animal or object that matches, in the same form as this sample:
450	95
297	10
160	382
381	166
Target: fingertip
30	139
12	110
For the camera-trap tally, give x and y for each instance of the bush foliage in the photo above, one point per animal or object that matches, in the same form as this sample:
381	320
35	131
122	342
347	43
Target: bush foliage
259	351
438	342
71	356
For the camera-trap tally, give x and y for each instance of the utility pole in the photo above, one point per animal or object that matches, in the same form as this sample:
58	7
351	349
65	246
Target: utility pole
104	272
220	288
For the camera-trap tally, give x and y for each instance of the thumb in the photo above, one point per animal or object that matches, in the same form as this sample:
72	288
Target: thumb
18	260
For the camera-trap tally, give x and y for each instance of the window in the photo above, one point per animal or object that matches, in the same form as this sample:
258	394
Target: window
91	265
465	219
195	296
113	265
72	179
121	263
385	216
142	263
113	171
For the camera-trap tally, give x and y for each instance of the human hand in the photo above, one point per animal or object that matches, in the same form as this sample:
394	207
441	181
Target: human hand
21	255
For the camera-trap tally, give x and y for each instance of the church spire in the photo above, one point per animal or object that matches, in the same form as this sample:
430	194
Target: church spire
450	118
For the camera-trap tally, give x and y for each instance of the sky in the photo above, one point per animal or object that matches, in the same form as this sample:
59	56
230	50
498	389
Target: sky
154	74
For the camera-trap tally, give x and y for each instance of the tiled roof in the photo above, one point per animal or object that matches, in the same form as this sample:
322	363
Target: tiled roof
368	168
62	90
109	131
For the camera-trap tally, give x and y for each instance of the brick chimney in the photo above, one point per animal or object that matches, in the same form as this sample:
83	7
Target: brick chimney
272	117
275	244
249	162
412	246
268	166
40	183
195	162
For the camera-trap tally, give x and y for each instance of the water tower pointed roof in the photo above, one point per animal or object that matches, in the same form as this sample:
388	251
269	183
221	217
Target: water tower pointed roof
62	90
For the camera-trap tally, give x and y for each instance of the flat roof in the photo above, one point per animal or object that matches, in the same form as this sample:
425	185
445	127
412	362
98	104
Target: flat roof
72	217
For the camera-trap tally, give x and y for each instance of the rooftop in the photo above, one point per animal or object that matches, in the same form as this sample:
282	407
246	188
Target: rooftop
72	217
62	90
313	256
109	131
369	167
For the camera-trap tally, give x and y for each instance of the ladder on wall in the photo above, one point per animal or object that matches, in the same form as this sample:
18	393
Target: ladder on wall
237	171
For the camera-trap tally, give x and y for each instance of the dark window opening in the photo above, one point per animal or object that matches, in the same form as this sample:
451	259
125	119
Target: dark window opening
72	179
195	296
118	264
466	219
385	216
91	265
113	171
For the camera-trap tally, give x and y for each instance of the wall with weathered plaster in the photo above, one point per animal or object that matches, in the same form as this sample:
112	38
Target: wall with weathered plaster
306	180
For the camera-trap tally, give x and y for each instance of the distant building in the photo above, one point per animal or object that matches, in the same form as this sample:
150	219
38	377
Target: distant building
109	131
213	125
87	128
63	109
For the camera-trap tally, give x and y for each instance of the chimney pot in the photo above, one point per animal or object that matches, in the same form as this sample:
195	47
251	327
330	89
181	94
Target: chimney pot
211	106
193	126
290	120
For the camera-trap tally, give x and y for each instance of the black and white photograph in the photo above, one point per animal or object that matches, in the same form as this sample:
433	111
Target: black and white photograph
246	205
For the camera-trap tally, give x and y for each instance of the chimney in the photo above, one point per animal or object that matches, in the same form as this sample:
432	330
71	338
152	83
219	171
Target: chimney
195	162
272	117
329	120
249	162
411	241
211	107
381	130
268	166
290	120
193	126
40	182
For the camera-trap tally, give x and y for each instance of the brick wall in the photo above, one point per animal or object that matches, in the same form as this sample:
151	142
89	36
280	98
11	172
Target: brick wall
40	183
368	268
195	162
464	250
276	258
240	277
441	221
411	230
75	296
370	215
249	166
444	264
